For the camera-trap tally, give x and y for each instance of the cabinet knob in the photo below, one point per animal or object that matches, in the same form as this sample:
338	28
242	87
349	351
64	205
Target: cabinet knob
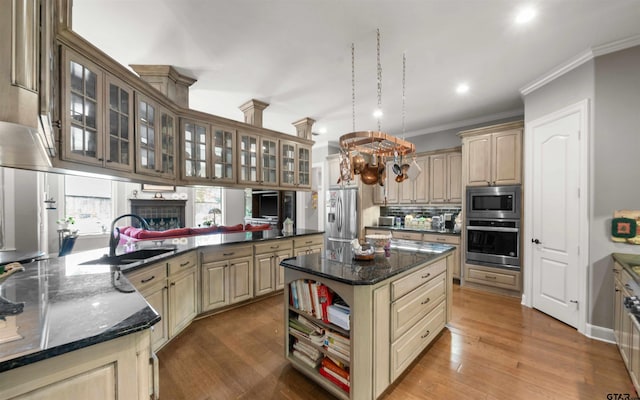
172	284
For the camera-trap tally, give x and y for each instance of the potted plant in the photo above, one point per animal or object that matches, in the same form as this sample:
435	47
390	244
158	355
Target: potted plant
64	223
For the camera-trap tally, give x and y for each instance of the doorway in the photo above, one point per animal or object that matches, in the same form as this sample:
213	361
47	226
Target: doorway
556	214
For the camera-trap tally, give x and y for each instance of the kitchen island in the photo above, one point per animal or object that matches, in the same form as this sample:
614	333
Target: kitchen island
73	329
398	303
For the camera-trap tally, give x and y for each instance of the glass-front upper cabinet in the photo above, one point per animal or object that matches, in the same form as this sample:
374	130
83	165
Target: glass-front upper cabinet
155	148
223	145
195	140
295	165
269	165
248	146
97	123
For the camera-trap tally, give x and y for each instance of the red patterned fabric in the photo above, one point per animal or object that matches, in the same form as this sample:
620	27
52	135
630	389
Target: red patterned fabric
263	227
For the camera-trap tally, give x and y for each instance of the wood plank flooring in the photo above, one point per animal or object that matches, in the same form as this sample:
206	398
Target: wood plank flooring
493	349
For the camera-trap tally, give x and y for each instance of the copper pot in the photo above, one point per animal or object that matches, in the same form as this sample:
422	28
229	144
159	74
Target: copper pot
358	163
381	173
369	174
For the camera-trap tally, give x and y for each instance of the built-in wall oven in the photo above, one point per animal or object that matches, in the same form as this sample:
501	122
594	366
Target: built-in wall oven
493	226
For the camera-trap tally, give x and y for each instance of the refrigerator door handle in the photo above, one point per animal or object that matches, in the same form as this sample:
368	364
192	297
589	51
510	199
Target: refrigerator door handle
339	213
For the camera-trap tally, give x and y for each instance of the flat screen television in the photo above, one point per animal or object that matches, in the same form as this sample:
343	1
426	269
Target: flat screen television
268	204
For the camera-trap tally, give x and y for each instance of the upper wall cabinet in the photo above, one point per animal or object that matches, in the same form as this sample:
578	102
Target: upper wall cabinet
295	165
156	139
258	160
415	191
196	143
445	178
223	159
96	117
493	155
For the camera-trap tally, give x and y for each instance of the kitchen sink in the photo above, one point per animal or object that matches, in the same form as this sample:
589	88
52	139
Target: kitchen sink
129	258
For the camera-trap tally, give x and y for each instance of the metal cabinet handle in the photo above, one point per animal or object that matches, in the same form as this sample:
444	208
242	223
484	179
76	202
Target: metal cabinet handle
425	335
490	277
426	276
426	301
184	264
172	284
228	254
275	247
148	279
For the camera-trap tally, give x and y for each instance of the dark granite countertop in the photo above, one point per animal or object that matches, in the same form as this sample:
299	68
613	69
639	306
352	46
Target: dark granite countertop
631	263
68	306
416	229
352	272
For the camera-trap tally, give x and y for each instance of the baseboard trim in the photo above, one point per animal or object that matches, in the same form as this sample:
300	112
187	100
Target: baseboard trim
600	333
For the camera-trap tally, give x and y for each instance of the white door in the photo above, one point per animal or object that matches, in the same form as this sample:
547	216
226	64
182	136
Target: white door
555	212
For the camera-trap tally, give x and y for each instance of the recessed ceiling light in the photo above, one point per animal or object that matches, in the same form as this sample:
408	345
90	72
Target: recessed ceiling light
525	15
462	88
377	113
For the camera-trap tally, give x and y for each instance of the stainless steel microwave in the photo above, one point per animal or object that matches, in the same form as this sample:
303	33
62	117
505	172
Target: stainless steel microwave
493	202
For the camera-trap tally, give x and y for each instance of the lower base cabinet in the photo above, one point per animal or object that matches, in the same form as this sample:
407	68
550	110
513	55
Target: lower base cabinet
268	275
227	276
118	369
495	277
625	325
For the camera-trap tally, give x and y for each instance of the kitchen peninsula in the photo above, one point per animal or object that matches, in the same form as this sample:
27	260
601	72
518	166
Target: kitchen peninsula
398	303
78	326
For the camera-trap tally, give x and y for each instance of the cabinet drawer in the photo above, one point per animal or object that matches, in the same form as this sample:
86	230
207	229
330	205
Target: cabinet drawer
376	231
272	245
411	308
308	241
408	346
406	235
182	262
402	286
147	276
493	277
449	239
226	252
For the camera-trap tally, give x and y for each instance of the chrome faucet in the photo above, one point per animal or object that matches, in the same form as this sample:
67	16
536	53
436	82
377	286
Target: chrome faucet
114	239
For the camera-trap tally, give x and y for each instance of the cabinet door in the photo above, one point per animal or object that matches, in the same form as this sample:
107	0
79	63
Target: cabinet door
119	125
196	144
223	145
158	298
166	149
148	135
248	155
406	190
183	307
304	166
478	166
438	178
264	279
269	162
82	97
421	184
506	157
618	310
287	164
454	175
215	285
279	271
240	279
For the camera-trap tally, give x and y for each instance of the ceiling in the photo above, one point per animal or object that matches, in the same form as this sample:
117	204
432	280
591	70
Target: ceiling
296	54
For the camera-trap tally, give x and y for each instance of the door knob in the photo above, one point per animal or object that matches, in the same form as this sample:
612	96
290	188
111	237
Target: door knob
536	241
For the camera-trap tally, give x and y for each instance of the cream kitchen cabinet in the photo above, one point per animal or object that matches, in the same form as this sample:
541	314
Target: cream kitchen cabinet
295	165
333	173
227	276
452	240
308	245
387	194
151	282
258	160
269	276
493	155
415	191
156	139
183	291
96	115
445	178
223	157
625	325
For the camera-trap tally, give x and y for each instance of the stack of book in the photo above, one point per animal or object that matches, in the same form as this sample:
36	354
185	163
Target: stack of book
305	328
311	297
337	345
336	373
339	315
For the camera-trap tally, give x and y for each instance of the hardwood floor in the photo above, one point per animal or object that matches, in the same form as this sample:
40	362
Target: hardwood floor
494	349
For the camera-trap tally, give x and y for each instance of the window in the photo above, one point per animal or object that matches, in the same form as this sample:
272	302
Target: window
88	201
208	205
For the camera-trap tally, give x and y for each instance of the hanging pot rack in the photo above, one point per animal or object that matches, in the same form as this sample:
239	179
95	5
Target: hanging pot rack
376	143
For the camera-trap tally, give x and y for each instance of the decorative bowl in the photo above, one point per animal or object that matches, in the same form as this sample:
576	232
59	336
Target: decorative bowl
378	241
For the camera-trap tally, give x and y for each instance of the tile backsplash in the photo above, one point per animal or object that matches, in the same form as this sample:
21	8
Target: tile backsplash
425	211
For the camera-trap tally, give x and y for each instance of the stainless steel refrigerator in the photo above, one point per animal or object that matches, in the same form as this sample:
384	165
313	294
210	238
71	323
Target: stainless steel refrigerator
341	222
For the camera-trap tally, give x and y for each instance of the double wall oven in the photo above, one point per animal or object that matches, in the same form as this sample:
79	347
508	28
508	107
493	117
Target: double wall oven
493	226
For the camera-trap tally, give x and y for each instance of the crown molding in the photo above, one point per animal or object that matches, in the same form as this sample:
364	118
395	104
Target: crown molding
580	59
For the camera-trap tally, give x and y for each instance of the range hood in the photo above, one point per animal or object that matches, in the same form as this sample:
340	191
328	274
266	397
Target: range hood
26	147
